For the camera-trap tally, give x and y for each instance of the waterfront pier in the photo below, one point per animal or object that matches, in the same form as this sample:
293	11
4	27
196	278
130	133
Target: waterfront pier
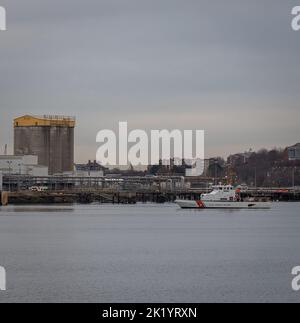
114	196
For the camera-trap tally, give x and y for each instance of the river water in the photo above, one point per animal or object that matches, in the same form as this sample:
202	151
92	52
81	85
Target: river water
148	253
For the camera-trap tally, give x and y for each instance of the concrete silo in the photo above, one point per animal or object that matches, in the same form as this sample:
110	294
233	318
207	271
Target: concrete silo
51	138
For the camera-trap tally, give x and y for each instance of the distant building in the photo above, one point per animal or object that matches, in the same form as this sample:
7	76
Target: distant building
51	138
294	152
22	165
92	169
206	167
169	167
238	159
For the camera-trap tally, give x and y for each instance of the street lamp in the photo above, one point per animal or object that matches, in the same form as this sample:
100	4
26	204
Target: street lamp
20	173
9	169
293	179
216	162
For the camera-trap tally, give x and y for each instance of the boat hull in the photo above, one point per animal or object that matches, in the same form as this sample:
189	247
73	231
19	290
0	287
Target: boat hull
199	204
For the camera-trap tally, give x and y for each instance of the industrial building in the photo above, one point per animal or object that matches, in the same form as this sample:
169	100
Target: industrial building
51	138
21	165
92	169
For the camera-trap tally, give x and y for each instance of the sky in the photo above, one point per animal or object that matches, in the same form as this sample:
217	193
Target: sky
229	67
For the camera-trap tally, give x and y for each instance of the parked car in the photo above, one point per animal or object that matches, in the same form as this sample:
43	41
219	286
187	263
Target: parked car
38	188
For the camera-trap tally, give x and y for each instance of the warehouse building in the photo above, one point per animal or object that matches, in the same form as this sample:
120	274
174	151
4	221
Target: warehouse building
21	165
50	138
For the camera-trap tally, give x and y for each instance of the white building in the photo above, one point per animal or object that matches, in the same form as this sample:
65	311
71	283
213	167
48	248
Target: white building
80	173
22	165
92	173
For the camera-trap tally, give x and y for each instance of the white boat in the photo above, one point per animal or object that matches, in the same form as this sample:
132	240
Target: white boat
223	197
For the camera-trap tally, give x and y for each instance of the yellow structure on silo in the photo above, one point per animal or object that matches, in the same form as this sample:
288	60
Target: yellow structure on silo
44	121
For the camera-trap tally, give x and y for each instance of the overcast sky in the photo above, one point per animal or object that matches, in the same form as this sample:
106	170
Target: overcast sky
229	67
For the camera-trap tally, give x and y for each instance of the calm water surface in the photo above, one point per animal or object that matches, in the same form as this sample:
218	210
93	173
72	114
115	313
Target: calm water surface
148	253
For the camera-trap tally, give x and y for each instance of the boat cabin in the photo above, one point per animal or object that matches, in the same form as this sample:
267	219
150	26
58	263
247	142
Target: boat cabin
221	193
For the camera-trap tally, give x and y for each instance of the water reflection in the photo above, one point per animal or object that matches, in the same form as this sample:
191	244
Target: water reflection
36	209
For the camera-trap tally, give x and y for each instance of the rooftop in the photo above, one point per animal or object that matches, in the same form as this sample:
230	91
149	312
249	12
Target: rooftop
295	146
44	121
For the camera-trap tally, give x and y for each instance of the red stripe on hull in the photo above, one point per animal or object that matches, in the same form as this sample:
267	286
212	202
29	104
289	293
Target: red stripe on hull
200	204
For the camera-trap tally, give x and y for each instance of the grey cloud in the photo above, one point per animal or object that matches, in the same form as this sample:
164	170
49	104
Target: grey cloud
105	60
